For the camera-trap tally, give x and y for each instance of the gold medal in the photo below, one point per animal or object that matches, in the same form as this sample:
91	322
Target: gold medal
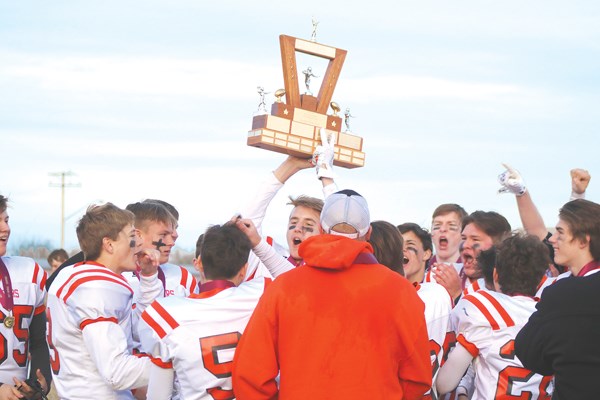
9	321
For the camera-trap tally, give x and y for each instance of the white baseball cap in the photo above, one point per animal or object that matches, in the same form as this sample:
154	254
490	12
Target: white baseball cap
346	207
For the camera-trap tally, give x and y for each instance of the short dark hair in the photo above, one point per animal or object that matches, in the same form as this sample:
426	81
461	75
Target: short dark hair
583	218
486	262
521	262
59	255
199	244
151	211
448	208
493	224
97	223
225	250
3	203
388	245
422	233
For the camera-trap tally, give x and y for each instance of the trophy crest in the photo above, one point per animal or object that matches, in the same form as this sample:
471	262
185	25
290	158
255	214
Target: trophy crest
293	126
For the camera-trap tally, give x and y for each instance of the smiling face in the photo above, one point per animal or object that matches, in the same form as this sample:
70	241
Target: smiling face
158	235
415	257
303	223
474	241
445	233
4	232
568	251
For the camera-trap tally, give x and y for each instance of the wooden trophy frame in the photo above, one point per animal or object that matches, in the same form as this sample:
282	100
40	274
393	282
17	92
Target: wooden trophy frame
293	127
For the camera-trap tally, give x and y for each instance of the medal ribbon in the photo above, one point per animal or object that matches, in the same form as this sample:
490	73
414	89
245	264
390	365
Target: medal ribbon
6	293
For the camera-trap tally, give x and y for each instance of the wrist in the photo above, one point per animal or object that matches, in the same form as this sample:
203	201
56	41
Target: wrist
575	195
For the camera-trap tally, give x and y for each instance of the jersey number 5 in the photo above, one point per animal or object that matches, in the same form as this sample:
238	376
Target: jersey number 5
210	347
509	375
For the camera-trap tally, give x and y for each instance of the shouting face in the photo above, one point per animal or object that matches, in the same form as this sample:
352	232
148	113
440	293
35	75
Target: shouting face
303	223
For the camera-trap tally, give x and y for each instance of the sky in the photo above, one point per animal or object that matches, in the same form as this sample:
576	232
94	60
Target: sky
154	99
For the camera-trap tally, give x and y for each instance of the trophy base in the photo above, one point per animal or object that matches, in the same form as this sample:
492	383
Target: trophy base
299	137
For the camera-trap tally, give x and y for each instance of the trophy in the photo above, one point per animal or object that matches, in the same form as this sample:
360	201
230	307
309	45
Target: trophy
293	126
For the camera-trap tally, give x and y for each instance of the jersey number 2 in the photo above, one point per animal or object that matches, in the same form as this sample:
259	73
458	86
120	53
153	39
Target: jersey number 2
517	374
210	347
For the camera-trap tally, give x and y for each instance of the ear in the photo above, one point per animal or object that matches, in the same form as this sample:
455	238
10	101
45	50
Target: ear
241	275
107	245
584	243
495	275
426	255
368	234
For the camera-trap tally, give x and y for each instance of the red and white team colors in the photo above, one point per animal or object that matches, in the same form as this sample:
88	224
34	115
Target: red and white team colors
176	280
488	323
89	335
197	337
438	306
28	280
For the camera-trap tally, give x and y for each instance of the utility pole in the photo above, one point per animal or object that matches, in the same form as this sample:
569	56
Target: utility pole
62	185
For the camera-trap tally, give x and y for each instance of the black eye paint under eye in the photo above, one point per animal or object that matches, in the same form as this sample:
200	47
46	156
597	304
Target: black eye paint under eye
292	227
476	246
159	244
412	249
132	243
307	229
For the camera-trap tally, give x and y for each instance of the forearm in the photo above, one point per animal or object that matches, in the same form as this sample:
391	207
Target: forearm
107	345
256	208
160	386
38	348
275	262
453	370
532	221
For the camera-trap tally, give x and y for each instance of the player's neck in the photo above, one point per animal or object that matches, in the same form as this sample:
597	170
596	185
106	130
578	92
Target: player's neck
110	262
451	259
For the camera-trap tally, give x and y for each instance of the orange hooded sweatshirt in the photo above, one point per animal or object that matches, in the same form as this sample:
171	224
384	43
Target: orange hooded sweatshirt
335	330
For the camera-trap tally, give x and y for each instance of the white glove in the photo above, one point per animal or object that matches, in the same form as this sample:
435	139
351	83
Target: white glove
511	181
323	156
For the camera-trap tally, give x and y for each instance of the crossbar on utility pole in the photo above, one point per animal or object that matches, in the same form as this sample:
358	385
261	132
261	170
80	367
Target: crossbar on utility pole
62	185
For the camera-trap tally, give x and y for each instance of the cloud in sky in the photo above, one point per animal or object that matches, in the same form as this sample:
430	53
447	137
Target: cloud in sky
155	100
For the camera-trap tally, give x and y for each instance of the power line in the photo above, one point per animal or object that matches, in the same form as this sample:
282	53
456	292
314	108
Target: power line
62	185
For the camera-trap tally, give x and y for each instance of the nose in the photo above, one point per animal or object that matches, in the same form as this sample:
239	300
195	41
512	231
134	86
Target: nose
552	239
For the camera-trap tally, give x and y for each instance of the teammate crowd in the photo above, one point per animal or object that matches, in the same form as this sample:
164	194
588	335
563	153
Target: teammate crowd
351	309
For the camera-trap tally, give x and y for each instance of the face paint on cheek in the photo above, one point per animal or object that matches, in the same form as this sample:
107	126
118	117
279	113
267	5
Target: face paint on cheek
159	244
307	229
412	249
292	227
132	243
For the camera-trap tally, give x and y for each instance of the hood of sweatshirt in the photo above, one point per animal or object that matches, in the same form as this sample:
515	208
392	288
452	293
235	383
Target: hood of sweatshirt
332	251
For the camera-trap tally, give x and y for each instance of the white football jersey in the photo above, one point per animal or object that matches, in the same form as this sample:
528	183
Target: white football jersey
197	336
89	334
473	286
28	280
438	306
178	281
488	323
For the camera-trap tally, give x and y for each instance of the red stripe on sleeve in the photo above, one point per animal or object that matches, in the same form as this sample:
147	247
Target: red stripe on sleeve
154	325
483	310
507	319
101	319
471	348
161	363
39	309
165	315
